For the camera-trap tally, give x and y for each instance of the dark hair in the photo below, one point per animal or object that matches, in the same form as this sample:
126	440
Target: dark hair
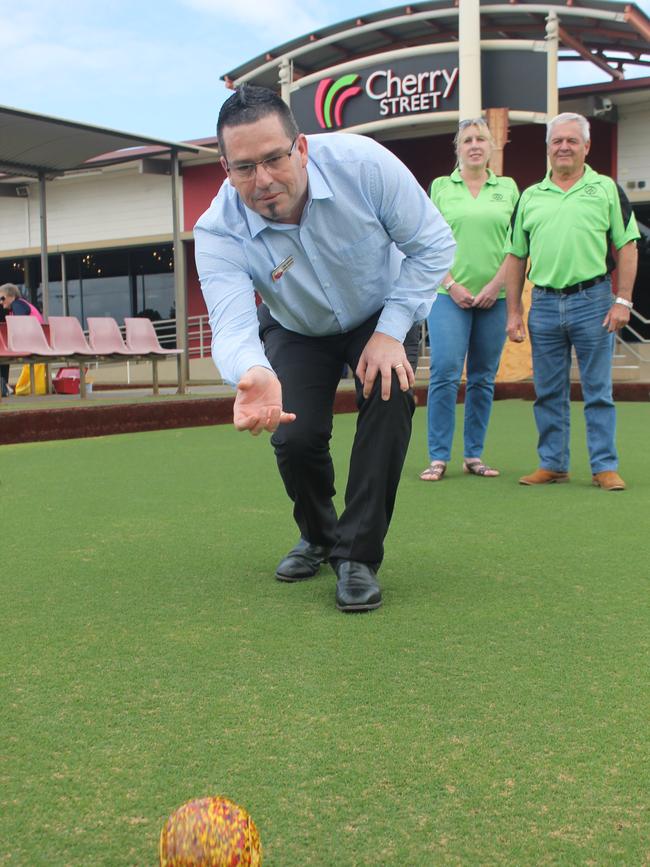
250	103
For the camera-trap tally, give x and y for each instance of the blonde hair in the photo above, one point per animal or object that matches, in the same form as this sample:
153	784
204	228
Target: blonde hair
481	124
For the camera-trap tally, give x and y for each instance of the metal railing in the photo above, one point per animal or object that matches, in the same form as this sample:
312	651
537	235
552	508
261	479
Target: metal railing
199	338
623	351
630	345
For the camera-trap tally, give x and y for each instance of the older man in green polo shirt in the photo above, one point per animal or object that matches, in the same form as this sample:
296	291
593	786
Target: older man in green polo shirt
568	224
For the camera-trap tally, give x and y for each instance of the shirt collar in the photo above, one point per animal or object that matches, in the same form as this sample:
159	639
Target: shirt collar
588	177
318	189
457	178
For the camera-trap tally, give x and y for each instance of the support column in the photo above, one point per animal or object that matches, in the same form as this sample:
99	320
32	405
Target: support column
497	119
180	281
469	59
45	272
29	279
64	288
284	77
552	46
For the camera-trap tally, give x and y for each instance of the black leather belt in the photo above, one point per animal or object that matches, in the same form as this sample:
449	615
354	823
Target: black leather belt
577	287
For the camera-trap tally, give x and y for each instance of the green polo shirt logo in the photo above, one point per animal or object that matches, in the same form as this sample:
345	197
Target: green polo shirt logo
479	225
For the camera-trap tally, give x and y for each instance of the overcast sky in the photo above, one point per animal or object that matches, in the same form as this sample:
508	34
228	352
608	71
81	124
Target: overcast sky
153	66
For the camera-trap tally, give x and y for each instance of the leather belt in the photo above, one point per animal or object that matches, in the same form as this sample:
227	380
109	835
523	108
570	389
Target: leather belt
577	287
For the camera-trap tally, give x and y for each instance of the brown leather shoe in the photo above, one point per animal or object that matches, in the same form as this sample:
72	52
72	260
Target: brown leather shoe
608	480
544	477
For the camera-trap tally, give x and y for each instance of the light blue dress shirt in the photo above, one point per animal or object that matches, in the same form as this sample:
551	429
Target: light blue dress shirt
369	239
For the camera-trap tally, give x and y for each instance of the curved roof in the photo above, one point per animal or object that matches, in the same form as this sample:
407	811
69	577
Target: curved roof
607	33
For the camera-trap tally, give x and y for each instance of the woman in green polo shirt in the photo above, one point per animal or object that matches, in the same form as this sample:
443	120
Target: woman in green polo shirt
467	322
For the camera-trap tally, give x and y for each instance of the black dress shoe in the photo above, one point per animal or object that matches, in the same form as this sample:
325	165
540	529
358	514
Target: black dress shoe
301	562
357	588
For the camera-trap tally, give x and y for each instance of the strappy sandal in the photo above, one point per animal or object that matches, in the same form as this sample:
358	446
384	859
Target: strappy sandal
476	467
434	472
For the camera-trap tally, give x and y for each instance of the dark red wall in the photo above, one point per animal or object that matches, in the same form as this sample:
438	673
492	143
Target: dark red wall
200	185
426	157
195	302
602	156
524	157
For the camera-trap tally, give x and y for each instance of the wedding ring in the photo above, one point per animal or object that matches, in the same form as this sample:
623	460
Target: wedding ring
398	365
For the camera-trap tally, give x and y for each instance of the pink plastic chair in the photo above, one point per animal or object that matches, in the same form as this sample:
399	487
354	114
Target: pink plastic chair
5	352
67	338
25	335
5	355
141	337
105	338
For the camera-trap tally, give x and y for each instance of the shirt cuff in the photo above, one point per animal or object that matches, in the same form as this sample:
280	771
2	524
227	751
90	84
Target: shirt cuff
395	323
244	363
520	254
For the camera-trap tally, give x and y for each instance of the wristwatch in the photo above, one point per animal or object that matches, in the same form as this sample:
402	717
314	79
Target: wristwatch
624	302
447	286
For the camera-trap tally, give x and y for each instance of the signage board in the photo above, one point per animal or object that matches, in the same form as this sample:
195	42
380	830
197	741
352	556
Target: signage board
422	84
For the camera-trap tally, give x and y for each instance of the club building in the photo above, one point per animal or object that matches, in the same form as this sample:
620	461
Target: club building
111	234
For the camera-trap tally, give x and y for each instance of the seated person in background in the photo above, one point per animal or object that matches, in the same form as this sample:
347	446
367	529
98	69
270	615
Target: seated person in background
5	390
13	303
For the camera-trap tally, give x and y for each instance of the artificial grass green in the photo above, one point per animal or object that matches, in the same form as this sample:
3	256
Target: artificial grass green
494	711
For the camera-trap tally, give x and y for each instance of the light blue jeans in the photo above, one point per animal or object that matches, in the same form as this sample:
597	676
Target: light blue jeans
456	334
556	323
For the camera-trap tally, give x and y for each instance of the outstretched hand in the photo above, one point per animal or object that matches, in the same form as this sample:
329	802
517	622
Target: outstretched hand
382	355
258	403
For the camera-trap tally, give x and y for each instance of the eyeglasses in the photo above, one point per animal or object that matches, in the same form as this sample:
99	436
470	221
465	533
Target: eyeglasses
472	121
273	165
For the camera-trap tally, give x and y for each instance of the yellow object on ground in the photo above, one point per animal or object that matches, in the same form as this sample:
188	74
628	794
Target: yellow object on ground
516	361
23	385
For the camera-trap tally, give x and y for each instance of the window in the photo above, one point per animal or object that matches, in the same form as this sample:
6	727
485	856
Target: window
127	282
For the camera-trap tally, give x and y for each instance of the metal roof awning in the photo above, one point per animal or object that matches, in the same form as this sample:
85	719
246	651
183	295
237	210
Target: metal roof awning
44	147
35	144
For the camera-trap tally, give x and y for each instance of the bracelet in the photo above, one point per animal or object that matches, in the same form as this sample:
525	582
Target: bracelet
447	286
625	303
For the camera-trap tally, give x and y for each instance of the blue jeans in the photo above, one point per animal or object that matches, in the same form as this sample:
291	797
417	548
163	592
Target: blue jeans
456	333
556	323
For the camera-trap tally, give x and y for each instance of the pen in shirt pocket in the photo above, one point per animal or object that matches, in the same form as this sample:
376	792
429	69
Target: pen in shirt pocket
280	270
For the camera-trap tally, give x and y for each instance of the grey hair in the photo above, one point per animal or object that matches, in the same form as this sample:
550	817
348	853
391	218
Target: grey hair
10	289
567	117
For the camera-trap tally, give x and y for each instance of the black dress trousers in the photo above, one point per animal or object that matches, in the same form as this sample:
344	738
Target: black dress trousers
309	370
